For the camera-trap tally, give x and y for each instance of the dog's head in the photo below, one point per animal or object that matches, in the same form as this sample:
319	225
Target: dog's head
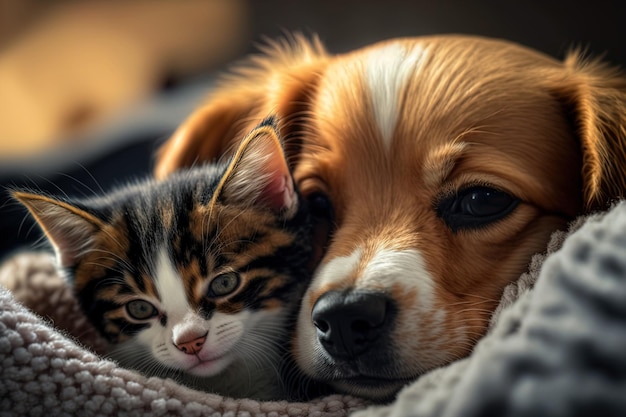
448	161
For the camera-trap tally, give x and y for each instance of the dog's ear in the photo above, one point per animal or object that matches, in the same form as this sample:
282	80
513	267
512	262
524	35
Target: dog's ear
208	132
276	82
595	96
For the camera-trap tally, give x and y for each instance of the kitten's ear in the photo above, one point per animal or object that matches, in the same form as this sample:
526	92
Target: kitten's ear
258	172
69	229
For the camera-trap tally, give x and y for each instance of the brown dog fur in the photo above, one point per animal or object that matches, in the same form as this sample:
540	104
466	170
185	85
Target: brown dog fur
389	131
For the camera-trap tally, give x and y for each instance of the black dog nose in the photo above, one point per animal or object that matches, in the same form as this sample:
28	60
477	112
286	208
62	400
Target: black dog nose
348	323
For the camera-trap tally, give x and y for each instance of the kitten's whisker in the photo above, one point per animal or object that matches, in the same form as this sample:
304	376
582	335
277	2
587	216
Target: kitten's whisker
227	324
91	176
21	225
219	230
49	181
63	174
110	255
114	255
103	266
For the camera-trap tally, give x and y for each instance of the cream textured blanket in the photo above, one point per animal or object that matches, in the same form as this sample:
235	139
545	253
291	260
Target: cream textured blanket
554	349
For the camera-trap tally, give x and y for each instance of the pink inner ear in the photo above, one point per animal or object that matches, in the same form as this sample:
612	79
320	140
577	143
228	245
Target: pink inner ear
278	192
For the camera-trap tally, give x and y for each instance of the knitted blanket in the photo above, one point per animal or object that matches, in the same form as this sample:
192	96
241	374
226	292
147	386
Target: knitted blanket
556	347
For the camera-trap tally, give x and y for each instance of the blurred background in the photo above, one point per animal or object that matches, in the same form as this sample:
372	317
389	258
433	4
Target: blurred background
90	88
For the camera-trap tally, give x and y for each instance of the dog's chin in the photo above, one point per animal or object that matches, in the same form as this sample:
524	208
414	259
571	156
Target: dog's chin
376	389
361	379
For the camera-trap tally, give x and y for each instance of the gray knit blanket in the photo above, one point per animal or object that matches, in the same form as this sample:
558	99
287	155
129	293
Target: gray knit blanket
556	347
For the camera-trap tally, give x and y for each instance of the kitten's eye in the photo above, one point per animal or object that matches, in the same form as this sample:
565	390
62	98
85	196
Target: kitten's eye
475	207
223	284
140	310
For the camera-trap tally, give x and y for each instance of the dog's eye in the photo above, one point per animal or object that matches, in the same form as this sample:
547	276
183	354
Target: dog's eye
323	216
321	207
475	207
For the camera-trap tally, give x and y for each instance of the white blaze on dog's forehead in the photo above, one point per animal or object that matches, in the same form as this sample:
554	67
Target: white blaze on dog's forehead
387	70
170	287
338	269
406	268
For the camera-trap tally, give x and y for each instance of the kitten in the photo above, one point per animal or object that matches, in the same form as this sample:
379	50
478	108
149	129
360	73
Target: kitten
197	277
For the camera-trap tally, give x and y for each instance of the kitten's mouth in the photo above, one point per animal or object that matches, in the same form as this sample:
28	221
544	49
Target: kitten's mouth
208	366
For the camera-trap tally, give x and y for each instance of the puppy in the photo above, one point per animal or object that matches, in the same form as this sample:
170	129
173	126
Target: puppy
447	161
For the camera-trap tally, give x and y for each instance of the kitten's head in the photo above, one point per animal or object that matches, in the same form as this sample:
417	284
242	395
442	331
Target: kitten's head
200	270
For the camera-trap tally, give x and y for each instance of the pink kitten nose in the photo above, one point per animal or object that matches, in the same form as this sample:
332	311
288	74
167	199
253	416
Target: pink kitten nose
191	347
